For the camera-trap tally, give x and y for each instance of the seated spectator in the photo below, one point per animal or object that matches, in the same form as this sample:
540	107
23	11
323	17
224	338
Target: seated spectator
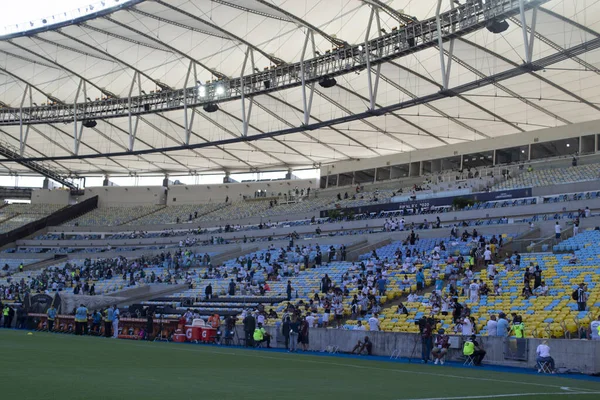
573	259
402	309
542	290
261	336
543	356
440	347
526	292
362	346
359	327
473	349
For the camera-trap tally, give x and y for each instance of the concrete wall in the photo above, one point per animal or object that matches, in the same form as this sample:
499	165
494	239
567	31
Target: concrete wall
47	196
197	194
120	196
582	355
501	142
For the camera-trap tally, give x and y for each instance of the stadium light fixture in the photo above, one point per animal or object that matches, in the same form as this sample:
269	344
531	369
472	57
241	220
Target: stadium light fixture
201	90
360	48
220	90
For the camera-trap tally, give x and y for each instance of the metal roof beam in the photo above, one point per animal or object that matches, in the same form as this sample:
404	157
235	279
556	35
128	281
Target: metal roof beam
231	36
171	48
533	73
397	15
250	10
334	41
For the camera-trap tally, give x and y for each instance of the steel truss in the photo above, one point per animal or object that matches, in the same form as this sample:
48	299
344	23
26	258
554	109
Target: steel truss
409	38
455	91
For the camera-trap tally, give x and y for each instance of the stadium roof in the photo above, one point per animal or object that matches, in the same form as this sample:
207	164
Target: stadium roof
155	43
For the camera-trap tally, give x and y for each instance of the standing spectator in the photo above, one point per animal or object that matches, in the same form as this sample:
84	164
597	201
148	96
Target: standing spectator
81	319
487	255
442	343
537	277
249	327
543	356
285	331
595	328
381	285
502	326
374	322
492	326
288	290
467	326
96	322
294	331
108	321
581	297
557	230
51	313
420	281
426	340
231	288
576	227
303	334
115	324
208	291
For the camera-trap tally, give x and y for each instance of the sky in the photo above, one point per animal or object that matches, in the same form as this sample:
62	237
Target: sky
24	11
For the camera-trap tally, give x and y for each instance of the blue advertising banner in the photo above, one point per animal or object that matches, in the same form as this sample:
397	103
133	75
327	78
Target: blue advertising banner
438	201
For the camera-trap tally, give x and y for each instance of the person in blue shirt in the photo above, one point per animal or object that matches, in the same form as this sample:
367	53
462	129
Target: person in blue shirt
81	320
108	320
502	327
96	322
51	318
420	281
381	282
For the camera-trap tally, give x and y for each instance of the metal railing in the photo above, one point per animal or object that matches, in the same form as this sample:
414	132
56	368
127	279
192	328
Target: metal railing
407	39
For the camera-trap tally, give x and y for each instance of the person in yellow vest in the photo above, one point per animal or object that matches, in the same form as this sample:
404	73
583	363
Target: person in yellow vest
518	330
6	316
21	267
261	336
473	349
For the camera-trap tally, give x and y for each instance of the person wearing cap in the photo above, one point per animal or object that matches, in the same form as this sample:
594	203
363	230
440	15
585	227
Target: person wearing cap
543	356
261	336
472	348
442	343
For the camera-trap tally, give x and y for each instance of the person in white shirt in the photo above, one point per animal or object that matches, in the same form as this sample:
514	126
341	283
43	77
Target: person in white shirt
360	327
374	323
557	230
487	256
474	292
467	327
311	320
492	326
595	328
543	356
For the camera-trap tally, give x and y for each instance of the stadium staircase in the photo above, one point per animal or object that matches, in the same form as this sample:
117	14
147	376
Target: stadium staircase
46	263
142	216
364	247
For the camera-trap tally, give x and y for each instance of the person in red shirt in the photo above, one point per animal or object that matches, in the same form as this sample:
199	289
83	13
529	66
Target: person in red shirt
440	348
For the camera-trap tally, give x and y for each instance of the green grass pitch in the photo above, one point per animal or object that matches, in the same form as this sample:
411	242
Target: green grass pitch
51	366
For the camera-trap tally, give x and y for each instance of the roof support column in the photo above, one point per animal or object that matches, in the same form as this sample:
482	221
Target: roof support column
307	100
373	86
444	65
78	125
24	134
528	38
246	112
189	122
133	125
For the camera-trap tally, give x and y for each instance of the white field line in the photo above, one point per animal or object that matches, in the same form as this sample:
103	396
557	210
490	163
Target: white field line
497	396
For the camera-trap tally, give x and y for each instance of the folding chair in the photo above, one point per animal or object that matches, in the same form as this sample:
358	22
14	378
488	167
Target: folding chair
469	361
544	367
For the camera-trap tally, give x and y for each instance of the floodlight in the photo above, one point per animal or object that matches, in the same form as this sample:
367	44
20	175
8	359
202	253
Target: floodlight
220	90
